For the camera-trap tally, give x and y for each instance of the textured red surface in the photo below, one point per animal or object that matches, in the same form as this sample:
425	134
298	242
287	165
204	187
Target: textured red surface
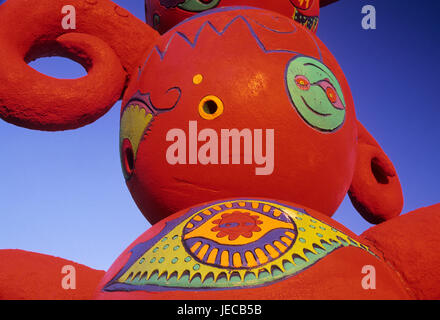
108	41
410	245
336	276
34	276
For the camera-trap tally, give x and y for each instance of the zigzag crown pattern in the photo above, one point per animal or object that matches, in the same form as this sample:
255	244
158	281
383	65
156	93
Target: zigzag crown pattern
176	33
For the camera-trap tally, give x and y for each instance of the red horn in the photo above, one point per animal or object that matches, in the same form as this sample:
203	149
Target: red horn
107	41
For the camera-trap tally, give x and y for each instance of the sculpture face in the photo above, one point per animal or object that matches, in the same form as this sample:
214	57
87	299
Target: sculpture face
249	70
165	14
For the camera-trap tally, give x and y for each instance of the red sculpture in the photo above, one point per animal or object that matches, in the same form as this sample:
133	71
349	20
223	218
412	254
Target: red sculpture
239	159
162	15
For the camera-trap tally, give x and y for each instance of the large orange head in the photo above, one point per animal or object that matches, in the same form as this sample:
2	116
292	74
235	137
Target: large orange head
238	102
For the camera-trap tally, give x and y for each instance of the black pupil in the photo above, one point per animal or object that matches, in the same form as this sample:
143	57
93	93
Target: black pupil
210	107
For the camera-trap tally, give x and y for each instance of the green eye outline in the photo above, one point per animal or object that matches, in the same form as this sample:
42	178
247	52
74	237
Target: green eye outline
197	5
312	100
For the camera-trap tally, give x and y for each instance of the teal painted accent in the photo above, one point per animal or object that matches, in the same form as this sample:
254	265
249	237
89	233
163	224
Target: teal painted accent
288	265
345	243
162	259
299	261
154	277
174	260
327	246
263	275
208	281
249	277
172	281
188	259
184	279
136	278
222	279
196	267
277	272
235	278
319	250
310	255
163	277
196	281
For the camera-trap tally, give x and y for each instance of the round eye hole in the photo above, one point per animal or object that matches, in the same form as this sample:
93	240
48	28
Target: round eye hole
210	107
127	157
302	82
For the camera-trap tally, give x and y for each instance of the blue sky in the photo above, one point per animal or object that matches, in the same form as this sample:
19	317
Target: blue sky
64	193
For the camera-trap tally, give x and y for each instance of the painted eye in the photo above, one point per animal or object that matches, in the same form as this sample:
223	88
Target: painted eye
302	82
315	93
331	94
210	107
135	120
267	243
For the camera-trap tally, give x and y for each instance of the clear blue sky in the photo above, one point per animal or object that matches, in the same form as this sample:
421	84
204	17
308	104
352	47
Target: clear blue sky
64	194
